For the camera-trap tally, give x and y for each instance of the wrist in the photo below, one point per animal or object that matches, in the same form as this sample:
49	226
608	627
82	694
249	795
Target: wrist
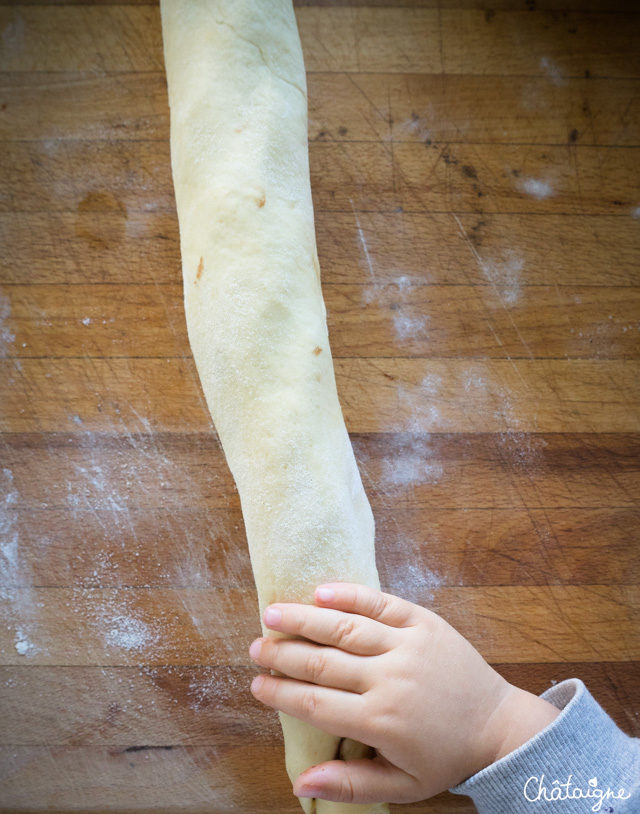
518	716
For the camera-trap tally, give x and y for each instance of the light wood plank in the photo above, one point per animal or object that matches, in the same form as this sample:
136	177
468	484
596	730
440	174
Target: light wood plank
381	395
431	321
88	176
344	107
84	105
354	248
129	626
86	247
455	108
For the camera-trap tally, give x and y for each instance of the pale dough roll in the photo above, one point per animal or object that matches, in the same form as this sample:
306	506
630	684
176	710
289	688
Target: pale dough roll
255	314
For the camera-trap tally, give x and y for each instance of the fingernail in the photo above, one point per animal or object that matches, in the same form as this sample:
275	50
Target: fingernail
325	594
256	683
272	616
254	650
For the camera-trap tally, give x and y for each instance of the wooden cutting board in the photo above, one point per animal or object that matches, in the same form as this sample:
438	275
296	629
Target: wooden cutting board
476	181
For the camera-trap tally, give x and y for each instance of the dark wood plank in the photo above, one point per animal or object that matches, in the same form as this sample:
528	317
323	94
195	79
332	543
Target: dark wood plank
558	45
62	38
418	550
211	705
117	473
161	780
606	6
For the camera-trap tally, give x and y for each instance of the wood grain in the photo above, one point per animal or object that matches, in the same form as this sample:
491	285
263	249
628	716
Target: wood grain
205	546
133	468
390	394
378	320
127	626
558	46
187	778
89	176
475	177
354	247
413	107
347	38
197	702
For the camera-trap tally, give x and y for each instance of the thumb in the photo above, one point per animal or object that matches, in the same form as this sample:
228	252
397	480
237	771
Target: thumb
372	780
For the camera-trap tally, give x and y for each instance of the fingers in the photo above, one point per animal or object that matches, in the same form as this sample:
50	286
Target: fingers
353	598
358	781
347	631
335	711
312	663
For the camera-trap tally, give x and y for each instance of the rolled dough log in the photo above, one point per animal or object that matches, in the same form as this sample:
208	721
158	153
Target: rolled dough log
255	314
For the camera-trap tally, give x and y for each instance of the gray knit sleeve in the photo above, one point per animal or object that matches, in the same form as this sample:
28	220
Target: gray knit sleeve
580	762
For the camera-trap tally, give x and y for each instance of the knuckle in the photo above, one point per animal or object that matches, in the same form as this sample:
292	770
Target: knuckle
317	666
309	704
379	604
347	790
345	630
381	719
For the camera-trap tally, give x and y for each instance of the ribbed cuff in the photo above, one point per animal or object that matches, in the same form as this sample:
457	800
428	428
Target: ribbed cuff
582	750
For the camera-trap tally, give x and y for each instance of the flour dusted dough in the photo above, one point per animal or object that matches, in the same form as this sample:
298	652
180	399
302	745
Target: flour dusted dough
255	314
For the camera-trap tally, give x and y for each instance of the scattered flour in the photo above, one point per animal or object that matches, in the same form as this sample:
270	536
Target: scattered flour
407	327
474	383
431	384
23	645
504	275
552	71
414	583
407	462
86	321
18	607
417	126
129	633
536	187
411	578
363	242
13	35
213	687
6	336
416	413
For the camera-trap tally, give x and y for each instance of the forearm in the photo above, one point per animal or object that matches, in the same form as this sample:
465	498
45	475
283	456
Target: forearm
579	753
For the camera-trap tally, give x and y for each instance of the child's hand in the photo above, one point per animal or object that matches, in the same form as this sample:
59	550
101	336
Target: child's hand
397	677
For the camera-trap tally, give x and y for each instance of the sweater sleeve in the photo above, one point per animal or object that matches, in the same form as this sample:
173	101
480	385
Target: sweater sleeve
580	762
